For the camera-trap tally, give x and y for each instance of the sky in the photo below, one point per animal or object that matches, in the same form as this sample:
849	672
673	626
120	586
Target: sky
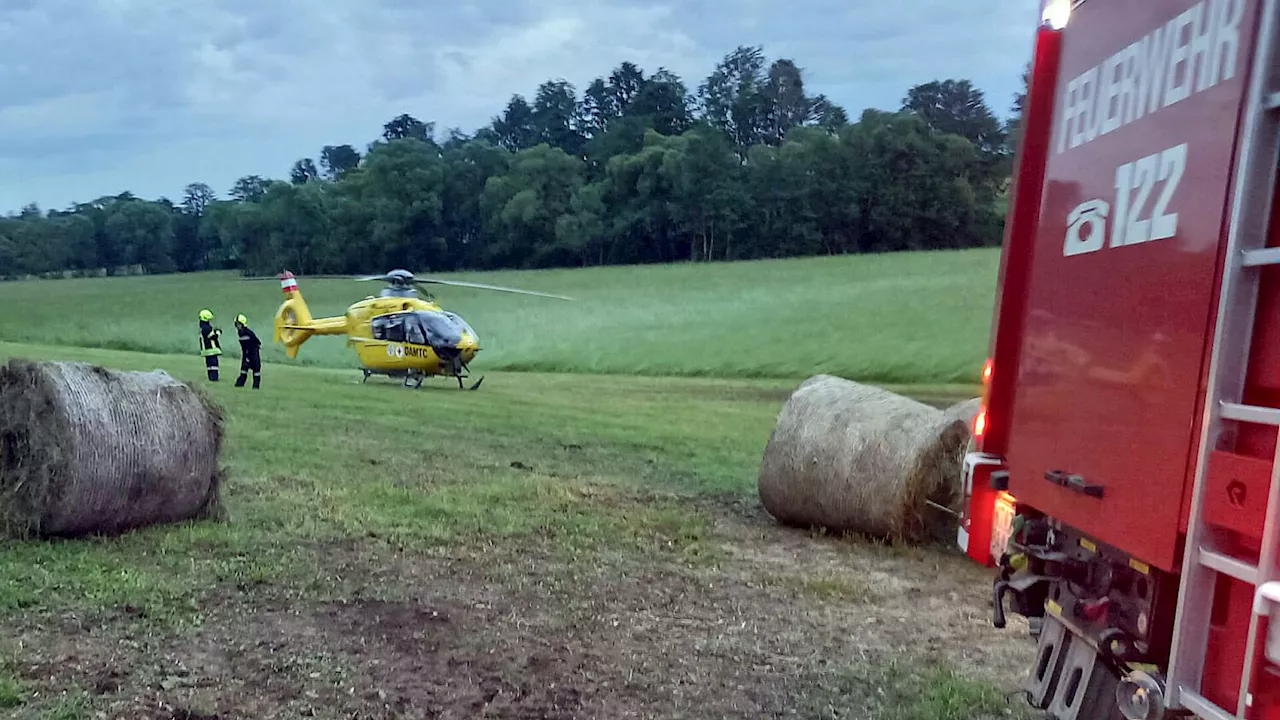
102	96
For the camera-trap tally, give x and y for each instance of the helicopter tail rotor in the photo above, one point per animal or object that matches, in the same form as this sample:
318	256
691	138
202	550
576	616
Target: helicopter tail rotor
294	324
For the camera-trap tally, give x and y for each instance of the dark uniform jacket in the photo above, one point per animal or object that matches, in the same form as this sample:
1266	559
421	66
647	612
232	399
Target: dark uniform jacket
210	344
249	345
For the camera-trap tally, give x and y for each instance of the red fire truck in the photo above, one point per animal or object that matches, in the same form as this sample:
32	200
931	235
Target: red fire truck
1126	481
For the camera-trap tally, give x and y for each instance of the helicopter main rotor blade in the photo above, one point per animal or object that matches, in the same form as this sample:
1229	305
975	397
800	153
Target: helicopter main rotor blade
409	277
260	278
482	286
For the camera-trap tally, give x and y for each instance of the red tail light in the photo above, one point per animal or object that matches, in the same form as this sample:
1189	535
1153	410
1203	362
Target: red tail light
980	422
1054	14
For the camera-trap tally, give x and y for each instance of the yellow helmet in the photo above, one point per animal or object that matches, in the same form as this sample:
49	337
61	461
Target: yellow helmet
206	315
242	319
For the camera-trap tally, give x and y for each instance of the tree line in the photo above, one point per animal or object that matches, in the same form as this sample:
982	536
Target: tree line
638	168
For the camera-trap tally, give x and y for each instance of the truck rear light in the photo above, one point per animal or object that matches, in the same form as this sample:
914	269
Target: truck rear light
980	421
1004	509
1055	13
988	510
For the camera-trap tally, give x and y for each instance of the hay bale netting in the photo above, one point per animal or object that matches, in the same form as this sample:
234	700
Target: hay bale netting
90	450
854	458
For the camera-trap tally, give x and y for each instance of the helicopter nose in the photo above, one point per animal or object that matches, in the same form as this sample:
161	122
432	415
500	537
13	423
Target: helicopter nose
468	342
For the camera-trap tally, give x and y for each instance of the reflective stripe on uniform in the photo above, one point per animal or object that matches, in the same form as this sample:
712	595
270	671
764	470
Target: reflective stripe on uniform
209	344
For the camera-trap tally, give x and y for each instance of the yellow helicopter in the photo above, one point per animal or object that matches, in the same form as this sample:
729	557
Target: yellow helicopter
399	333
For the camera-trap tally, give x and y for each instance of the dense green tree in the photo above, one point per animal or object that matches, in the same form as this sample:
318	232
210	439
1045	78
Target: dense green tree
916	187
826	114
731	97
636	169
662	104
557	118
10	265
338	160
142	233
249	188
189	249
713	202
599	108
1013	128
757	103
783	102
522	206
78	238
468	167
518	128
408	126
956	107
196	198
625	83
304	171
403	183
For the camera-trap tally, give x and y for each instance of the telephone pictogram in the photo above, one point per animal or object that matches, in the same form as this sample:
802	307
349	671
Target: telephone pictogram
1086	227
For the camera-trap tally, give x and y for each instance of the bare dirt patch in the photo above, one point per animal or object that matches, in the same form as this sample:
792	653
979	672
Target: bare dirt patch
774	629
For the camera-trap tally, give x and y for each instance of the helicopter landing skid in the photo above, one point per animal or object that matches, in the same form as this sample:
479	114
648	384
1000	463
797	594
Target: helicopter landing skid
414	380
460	371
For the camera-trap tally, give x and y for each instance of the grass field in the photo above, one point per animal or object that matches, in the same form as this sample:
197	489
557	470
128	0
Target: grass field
902	318
555	545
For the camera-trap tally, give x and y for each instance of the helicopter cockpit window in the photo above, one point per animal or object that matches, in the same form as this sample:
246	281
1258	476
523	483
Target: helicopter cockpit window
463	324
413	330
440	329
389	328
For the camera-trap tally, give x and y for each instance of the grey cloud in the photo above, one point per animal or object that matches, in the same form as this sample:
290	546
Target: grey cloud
100	96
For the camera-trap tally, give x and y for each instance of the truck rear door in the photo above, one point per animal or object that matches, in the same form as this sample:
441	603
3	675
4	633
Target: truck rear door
1125	266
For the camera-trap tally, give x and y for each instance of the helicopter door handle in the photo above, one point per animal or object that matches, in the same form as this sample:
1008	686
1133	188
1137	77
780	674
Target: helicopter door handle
1074	482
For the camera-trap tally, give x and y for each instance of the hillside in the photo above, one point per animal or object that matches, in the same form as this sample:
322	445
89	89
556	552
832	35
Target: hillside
902	317
406	552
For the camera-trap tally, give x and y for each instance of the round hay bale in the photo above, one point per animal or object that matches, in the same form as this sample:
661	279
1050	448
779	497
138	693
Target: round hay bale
855	458
90	450
965	411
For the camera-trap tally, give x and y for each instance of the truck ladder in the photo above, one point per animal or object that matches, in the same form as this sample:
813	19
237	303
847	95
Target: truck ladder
1254	185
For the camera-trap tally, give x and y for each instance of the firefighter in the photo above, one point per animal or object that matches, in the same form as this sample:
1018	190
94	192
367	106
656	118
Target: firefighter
210	343
250	357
